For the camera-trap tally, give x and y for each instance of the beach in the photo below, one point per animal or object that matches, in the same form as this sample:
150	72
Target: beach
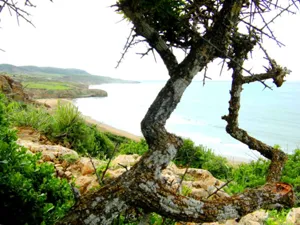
52	103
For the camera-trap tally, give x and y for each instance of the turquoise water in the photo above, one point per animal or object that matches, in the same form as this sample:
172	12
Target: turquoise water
272	116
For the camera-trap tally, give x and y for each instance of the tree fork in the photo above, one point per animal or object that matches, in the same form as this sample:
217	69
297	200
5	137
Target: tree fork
142	186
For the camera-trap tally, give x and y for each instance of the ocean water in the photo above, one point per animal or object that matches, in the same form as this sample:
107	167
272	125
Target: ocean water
272	116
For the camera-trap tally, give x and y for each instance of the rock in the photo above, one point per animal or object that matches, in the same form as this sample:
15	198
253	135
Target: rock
68	174
56	150
125	160
28	133
83	182
93	185
65	164
115	173
60	172
228	222
200	182
12	88
255	218
48	156
86	165
293	216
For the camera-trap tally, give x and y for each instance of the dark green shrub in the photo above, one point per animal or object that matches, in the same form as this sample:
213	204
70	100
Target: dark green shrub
103	146
29	192
248	175
116	138
291	173
85	139
202	157
254	174
133	147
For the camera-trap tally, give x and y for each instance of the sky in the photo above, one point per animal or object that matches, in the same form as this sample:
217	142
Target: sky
90	35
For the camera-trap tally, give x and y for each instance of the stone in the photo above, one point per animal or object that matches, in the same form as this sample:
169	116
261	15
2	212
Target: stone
28	134
86	165
125	160
13	89
255	218
293	216
60	172
68	174
115	173
48	156
83	182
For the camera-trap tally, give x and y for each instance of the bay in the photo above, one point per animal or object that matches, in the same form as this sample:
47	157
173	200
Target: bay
272	116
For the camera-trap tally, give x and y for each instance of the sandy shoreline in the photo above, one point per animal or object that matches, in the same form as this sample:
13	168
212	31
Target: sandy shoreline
103	127
106	128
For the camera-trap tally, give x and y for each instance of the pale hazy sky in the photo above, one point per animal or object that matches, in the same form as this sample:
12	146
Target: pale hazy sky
89	35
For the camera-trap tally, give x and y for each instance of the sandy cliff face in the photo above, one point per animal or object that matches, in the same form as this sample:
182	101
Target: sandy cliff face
12	88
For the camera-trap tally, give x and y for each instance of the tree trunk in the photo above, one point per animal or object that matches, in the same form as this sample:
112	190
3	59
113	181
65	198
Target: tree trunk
142	185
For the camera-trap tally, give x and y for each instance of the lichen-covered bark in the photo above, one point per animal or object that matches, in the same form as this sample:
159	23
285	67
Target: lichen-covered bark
141	186
276	73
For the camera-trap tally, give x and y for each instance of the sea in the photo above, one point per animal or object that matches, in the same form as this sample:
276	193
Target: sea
272	116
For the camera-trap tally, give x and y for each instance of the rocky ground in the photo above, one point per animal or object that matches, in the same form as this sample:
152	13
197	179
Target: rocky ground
196	183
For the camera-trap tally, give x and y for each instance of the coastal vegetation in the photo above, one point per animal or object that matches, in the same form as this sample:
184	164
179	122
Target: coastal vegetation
65	126
30	192
204	31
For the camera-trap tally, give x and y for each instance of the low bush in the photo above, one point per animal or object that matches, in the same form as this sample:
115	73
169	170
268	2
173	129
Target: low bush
65	127
277	217
248	175
28	115
254	174
133	147
291	173
70	130
29	192
202	157
116	138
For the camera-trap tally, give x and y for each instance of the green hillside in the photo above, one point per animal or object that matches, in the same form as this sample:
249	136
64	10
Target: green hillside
35	73
8	68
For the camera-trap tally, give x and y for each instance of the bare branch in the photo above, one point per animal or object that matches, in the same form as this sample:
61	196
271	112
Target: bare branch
128	44
153	38
205	76
97	175
20	13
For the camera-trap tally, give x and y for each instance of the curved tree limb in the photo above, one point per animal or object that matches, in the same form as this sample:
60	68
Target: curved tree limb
141	186
276	73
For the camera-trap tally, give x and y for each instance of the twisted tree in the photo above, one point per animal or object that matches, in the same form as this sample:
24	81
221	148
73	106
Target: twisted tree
205	30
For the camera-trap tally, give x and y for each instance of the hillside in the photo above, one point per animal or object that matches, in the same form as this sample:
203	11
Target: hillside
35	73
40	70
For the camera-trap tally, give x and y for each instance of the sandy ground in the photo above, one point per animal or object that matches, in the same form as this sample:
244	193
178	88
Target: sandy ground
103	127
